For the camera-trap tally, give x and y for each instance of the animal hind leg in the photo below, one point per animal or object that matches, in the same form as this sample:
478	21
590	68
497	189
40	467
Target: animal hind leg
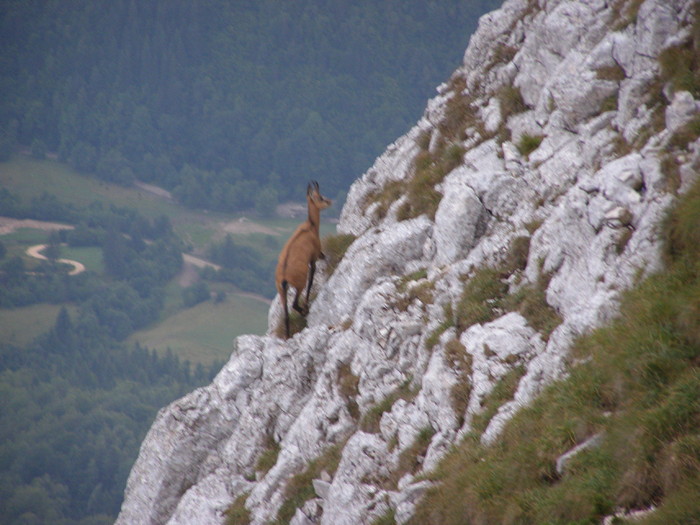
312	271
284	305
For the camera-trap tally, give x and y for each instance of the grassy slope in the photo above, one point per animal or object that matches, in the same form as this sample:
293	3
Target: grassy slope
637	384
200	334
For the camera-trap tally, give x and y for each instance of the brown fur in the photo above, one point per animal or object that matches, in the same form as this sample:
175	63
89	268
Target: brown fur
298	258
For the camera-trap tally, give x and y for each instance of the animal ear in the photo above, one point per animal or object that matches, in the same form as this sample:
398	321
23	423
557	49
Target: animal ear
309	188
316	186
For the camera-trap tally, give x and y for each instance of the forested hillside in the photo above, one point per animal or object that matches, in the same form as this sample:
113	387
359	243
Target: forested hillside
77	400
227	104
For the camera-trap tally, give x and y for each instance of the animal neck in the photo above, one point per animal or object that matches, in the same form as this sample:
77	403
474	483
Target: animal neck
314	217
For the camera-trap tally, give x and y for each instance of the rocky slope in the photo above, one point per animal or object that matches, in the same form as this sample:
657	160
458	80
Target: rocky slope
503	225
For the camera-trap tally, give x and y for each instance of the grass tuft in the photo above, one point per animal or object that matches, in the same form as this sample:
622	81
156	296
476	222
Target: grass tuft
268	457
237	514
334	248
529	143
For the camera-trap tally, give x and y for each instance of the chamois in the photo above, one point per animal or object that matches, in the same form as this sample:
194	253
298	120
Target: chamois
298	257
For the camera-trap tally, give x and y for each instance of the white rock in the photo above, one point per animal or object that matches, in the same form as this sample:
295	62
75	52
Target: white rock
682	108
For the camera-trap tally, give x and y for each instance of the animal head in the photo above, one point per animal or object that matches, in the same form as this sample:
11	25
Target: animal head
313	195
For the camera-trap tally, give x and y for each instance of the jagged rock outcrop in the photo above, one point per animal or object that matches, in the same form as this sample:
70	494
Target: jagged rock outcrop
559	121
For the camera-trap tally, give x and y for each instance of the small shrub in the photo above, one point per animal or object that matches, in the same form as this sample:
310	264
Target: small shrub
679	141
529	143
620	146
421	291
686	134
448	322
386	196
533	226
460	113
679	66
415	276
503	53
624	13
511	101
423	140
518	254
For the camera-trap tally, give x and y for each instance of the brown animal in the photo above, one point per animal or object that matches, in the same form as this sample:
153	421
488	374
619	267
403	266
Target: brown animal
298	257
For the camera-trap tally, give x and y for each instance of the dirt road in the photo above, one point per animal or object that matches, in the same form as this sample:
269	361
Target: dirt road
35	251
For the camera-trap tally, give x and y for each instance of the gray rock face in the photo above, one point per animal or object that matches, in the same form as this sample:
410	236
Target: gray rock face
375	374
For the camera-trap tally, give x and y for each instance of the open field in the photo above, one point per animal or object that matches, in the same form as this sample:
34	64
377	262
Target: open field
19	326
89	256
205	333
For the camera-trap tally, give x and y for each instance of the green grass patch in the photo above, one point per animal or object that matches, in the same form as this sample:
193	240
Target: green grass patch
300	487
237	514
334	248
411	458
460	361
511	100
19	326
481	300
89	256
529	143
637	384
205	332
268	457
371	419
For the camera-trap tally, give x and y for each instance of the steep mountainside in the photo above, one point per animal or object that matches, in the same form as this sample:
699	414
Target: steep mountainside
505	224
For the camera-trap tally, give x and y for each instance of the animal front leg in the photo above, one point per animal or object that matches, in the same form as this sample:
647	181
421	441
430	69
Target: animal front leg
312	271
296	304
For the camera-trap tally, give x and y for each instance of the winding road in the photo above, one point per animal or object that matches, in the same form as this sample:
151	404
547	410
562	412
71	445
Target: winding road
35	251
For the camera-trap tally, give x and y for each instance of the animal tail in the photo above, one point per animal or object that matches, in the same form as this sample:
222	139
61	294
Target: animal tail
285	284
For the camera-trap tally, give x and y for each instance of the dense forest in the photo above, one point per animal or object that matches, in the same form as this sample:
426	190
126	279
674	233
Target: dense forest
226	104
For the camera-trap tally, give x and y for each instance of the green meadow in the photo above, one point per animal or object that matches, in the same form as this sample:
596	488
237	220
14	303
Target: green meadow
19	326
205	332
